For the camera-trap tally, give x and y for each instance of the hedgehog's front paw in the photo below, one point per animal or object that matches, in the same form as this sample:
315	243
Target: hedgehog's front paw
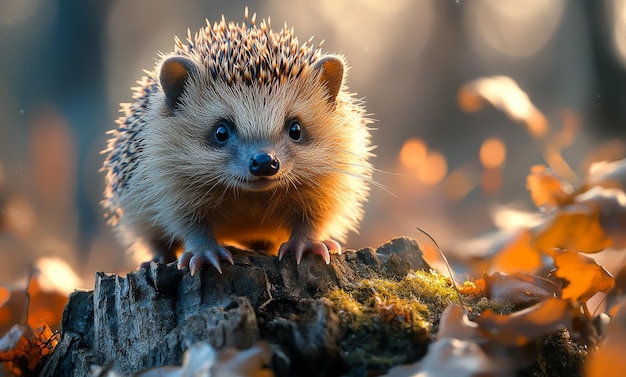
203	256
299	245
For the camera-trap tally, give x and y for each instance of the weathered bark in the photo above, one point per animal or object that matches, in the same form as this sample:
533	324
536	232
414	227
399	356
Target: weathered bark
150	317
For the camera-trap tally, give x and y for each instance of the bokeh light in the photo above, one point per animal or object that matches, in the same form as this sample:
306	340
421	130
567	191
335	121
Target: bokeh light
492	153
514	29
413	153
491	180
433	169
616	13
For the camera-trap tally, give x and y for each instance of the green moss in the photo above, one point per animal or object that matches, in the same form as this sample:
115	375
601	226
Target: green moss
391	322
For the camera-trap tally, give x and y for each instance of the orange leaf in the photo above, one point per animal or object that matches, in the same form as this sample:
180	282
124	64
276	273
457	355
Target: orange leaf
573	227
504	94
525	326
4	295
610	203
473	288
23	347
517	255
546	189
583	275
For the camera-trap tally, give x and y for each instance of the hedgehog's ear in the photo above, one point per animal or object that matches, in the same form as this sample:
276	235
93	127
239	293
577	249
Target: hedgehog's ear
332	74
175	73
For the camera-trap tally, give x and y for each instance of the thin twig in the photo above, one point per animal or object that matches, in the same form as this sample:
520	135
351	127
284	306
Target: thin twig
27	301
447	266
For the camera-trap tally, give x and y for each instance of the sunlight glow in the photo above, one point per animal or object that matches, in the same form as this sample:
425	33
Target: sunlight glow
430	167
413	153
492	153
459	183
434	168
57	275
509	217
616	12
512	28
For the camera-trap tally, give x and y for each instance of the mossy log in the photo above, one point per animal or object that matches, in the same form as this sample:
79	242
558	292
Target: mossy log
150	317
362	314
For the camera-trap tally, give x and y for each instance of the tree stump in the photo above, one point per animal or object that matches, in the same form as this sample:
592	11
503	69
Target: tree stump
151	316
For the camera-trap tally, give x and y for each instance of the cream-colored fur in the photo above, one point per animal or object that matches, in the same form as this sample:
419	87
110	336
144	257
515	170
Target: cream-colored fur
179	182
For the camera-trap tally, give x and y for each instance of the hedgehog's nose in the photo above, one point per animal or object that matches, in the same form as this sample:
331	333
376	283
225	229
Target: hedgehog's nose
264	164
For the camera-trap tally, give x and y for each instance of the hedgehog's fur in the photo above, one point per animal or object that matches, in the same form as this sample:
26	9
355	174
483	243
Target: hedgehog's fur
167	186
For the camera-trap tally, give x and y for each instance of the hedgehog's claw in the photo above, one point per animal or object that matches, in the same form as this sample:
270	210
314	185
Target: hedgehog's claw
183	260
208	256
199	260
300	246
333	246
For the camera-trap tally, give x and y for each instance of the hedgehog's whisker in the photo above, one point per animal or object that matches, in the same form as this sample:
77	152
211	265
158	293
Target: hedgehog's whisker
231	185
201	181
294	182
363	178
367	167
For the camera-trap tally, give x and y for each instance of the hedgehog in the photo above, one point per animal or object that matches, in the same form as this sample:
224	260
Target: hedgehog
241	137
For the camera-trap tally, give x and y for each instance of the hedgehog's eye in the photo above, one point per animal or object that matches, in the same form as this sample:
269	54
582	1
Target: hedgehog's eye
222	132
295	130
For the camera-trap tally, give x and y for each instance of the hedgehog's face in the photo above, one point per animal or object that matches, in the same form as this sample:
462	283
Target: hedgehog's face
253	137
258	160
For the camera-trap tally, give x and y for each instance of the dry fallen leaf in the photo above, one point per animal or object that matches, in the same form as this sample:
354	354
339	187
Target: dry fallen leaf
198	360
525	326
607	174
546	189
573	227
610	204
455	358
202	360
521	289
23	347
504	94
454	323
517	255
244	363
583	276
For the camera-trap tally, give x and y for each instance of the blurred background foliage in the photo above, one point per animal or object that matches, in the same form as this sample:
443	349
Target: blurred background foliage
66	65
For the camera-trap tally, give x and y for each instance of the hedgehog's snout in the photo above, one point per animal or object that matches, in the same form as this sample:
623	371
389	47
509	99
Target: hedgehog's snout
264	164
